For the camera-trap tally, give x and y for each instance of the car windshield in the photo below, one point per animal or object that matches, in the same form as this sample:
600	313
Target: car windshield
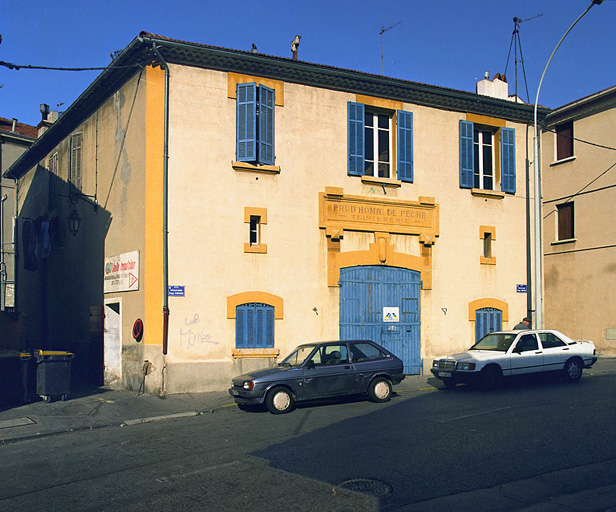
298	356
498	342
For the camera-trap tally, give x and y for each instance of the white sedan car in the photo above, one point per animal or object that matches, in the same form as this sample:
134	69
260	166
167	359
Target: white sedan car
507	353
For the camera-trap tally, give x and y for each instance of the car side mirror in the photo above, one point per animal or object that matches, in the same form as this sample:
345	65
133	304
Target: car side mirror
310	364
517	350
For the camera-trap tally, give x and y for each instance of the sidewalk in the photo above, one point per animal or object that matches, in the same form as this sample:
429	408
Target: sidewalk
93	408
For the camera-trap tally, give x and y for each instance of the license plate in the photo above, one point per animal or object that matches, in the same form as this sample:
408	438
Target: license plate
444	374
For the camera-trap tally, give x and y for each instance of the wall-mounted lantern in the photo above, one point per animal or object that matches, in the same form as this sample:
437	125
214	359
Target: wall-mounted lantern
74	220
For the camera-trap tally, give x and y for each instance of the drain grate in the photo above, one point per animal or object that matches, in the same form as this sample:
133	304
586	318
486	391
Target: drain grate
369	486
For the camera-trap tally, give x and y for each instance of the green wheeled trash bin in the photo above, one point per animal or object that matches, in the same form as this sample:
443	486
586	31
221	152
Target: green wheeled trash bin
53	374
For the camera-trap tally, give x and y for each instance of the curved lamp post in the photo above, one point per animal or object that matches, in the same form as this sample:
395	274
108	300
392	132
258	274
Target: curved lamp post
537	186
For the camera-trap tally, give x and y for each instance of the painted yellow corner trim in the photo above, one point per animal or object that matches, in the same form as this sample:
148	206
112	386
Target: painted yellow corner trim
378	102
488	303
487	261
239	353
488	194
235	78
387	182
153	198
255	296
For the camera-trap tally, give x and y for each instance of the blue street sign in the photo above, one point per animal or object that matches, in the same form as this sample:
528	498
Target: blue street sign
521	288
176	291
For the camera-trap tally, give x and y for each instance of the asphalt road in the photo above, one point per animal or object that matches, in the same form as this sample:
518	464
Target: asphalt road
539	445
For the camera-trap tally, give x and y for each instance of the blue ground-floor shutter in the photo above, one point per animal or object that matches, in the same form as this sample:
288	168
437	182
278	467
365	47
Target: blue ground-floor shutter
405	146
487	320
508	160
254	326
467	159
356	139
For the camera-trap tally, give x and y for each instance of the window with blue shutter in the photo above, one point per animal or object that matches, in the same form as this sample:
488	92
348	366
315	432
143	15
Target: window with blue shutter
467	155
508	160
255	124
355	113
405	146
487	320
254	326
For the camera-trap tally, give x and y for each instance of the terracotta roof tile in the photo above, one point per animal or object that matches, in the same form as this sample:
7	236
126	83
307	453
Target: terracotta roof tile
6	125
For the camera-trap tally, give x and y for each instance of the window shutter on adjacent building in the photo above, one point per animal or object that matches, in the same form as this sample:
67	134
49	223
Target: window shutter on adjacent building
467	159
266	125
405	146
508	180
356	142
246	150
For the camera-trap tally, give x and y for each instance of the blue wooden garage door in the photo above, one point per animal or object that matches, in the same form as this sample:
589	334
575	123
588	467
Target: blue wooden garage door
382	304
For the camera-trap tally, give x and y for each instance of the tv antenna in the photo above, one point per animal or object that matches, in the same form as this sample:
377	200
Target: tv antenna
517	44
383	30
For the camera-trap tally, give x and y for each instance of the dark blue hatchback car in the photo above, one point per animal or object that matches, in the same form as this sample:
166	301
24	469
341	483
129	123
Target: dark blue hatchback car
321	370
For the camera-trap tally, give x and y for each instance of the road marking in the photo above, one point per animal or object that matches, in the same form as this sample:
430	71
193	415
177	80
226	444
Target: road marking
475	414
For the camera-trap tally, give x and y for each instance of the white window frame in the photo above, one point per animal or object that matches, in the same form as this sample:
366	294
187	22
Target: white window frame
478	149
375	142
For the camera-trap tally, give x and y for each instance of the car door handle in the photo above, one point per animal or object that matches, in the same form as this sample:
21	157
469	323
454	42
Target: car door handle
566	348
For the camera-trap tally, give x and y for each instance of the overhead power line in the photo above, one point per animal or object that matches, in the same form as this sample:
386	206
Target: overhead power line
10	65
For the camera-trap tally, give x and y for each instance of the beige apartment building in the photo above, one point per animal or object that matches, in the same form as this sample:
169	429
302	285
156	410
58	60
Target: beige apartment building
579	206
209	209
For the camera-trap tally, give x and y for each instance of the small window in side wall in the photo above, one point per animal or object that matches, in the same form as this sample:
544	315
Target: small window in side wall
566	226
52	199
487	320
479	157
75	164
255	218
255	124
380	142
254	325
488	236
564	140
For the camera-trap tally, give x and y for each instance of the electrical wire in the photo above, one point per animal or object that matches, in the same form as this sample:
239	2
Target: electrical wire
10	65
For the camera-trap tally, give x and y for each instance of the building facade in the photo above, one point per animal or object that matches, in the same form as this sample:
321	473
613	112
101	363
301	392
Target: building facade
15	138
579	233
234	205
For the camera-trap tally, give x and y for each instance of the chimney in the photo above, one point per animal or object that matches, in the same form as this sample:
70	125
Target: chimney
14	124
497	88
294	46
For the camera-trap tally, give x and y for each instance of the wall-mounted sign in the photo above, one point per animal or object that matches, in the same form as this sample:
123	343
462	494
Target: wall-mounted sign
391	314
521	288
177	291
122	273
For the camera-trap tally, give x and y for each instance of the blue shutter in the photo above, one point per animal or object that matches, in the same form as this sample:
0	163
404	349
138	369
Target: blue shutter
508	160
241	326
254	326
356	138
467	159
405	146
487	320
266	125
246	149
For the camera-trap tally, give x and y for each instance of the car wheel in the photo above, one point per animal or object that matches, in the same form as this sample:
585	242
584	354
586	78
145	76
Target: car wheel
279	401
491	377
380	390
573	370
449	383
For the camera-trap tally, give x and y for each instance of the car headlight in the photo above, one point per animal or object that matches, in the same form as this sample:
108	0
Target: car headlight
466	367
249	384
435	363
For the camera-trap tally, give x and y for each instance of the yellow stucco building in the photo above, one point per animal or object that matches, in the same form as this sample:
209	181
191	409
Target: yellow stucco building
233	205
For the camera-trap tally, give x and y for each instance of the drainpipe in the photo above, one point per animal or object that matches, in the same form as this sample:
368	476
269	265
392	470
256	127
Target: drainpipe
165	205
3	274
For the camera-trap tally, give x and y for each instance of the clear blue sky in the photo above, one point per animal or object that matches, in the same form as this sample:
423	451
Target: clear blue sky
450	43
